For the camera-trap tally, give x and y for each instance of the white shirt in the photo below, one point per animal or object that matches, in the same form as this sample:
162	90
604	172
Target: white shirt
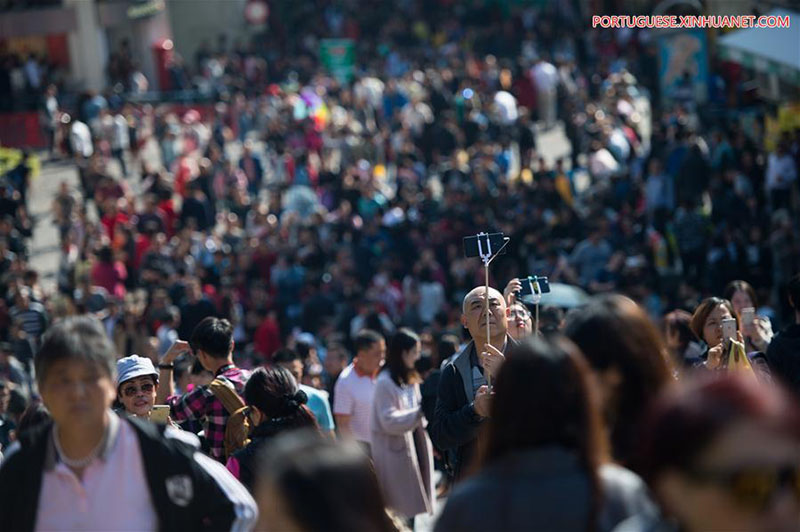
545	75
506	107
81	139
353	397
780	171
112	495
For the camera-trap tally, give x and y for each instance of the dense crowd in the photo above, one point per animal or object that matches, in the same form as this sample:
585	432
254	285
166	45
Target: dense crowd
291	257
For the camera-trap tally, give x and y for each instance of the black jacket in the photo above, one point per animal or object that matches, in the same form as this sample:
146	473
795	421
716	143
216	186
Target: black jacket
455	424
783	355
247	456
189	491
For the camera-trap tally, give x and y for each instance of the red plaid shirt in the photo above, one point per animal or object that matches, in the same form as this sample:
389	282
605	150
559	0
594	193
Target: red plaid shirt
201	404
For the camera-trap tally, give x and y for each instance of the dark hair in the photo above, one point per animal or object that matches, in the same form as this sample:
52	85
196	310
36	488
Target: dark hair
705	308
365	339
740	286
613	332
34	415
302	466
214	336
446	347
794	292
284	355
683	423
679	321
78	338
403	340
549	372
275	393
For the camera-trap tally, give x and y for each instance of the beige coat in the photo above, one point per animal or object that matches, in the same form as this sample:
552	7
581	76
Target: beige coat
401	449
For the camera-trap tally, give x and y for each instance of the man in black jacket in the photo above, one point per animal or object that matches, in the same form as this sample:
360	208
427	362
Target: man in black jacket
464	398
90	469
783	353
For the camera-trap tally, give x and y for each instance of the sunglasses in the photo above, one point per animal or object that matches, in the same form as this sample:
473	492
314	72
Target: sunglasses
753	487
130	391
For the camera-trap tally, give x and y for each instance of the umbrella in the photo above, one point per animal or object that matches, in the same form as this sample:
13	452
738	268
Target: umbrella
302	200
564	296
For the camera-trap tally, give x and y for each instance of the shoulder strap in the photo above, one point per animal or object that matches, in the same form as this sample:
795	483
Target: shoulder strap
224	391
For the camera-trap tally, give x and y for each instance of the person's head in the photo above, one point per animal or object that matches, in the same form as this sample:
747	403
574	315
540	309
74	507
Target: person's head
336	359
741	295
520	322
35	414
75	371
302	466
212	342
137	385
404	351
794	295
274	395
677	331
289	359
628	357
707	319
544	397
370	351
473	314
722	454
446	347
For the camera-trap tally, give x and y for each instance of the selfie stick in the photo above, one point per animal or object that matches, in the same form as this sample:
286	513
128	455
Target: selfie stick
536	292
487	258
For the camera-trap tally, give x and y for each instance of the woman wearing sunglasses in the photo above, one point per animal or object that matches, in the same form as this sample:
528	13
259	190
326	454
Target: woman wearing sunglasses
137	384
723	454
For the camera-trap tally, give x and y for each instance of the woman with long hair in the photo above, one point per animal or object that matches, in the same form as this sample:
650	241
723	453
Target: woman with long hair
277	404
544	463
401	449
629	360
757	330
706	323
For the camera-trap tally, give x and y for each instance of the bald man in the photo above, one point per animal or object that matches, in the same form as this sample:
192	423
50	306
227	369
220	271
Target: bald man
463	399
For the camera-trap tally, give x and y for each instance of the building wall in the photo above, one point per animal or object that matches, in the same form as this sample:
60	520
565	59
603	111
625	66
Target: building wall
194	21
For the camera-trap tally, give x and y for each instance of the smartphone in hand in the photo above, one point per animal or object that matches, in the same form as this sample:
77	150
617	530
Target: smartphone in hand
729	329
160	414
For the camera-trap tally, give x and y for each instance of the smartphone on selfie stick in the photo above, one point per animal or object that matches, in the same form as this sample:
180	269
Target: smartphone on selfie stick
534	286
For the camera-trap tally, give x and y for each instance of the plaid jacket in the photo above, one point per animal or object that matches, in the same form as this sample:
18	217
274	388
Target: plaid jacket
201	404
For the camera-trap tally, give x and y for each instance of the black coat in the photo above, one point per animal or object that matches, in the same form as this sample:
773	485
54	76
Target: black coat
783	355
455	424
215	503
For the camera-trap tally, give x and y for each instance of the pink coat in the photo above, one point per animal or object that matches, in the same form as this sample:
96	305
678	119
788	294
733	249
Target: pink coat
401	450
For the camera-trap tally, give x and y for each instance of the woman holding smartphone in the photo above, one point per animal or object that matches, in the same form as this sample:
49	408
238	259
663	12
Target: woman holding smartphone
707	323
401	449
137	385
757	330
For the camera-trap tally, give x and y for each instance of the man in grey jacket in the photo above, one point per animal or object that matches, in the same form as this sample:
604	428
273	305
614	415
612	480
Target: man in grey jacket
464	397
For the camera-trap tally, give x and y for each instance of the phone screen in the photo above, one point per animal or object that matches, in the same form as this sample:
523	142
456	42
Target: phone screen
729	328
160	414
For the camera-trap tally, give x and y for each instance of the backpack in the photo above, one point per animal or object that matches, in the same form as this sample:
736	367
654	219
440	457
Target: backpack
237	428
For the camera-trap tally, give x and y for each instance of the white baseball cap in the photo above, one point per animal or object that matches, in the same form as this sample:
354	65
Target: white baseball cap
134	366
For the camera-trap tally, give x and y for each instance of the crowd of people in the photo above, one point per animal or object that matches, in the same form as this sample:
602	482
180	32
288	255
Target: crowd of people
278	280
